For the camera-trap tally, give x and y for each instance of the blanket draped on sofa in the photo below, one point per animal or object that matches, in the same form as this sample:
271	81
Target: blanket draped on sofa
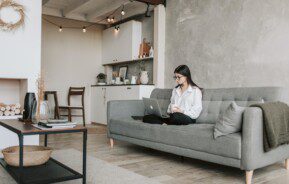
276	124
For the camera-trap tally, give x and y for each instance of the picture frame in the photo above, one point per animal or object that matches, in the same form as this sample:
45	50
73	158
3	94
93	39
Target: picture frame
123	72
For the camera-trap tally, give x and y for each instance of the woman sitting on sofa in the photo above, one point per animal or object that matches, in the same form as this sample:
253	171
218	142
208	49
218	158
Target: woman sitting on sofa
186	101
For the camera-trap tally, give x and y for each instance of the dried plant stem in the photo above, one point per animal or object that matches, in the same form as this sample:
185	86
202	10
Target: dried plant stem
40	94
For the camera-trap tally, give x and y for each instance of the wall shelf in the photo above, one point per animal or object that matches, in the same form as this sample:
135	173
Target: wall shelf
128	62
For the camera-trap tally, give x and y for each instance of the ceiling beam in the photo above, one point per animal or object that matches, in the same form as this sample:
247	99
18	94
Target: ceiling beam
74	6
153	2
44	2
104	10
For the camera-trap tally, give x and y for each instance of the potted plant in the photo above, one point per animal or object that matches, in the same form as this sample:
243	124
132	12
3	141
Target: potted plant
101	78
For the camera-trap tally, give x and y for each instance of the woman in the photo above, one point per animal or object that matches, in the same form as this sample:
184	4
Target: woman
186	101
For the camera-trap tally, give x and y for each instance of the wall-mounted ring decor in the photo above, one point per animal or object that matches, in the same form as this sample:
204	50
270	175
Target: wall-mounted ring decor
9	26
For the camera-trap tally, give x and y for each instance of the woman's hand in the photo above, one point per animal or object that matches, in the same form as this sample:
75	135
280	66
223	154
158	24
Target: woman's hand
177	109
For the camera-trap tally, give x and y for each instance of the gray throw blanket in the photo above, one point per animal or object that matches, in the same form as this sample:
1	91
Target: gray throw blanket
276	124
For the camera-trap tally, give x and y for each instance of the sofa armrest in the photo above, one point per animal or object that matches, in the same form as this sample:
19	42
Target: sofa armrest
122	109
252	138
253	155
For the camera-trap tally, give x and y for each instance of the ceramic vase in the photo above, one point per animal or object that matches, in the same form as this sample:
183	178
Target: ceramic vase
144	78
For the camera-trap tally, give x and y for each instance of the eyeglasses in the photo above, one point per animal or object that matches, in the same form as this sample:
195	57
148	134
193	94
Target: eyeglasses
177	77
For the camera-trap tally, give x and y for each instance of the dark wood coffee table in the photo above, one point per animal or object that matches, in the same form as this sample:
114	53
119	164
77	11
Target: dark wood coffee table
51	172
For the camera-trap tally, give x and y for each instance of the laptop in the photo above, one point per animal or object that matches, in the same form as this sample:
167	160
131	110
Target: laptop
152	107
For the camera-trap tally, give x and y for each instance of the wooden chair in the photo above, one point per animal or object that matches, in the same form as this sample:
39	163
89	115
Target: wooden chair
74	91
56	107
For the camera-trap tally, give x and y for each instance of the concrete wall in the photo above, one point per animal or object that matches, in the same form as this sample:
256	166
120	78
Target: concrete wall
229	43
71	59
148	28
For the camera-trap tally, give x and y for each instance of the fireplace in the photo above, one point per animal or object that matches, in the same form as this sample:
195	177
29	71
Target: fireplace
12	93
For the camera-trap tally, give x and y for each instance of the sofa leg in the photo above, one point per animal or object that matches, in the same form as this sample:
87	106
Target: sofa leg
111	143
249	175
287	163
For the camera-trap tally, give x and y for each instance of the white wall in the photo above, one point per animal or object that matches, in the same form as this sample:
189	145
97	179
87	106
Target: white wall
70	58
9	91
20	58
21	50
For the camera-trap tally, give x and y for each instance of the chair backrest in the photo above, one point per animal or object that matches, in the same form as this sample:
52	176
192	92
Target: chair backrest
216	101
76	91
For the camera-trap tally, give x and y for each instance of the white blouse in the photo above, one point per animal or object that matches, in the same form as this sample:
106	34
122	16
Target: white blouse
190	102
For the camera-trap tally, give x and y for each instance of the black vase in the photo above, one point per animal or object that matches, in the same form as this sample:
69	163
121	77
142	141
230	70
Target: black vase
29	106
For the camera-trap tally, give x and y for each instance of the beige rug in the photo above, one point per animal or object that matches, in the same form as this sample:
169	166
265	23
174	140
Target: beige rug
98	171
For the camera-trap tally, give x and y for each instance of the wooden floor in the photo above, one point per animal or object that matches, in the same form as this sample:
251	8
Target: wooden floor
163	167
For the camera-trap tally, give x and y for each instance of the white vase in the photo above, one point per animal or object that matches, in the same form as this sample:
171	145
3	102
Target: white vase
144	78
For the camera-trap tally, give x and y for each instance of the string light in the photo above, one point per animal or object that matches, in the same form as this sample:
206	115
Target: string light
116	28
110	19
122	11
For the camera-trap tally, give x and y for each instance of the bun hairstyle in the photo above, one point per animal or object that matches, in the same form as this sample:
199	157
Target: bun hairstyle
185	71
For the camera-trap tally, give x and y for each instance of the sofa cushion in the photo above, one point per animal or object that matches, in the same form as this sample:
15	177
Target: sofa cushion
230	121
195	136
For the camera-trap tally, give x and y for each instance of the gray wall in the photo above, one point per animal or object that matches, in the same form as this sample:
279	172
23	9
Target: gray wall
229	43
148	28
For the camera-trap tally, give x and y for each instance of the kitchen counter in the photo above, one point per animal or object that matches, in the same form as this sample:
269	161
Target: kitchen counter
122	85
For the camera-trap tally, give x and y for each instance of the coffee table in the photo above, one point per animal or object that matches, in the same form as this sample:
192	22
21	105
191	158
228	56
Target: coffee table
51	172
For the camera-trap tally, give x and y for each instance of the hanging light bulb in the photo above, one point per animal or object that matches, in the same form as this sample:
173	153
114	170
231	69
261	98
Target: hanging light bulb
116	28
122	11
60	28
108	19
112	19
84	29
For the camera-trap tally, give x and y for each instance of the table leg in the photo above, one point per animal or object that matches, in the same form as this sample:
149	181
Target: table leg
45	140
20	136
84	157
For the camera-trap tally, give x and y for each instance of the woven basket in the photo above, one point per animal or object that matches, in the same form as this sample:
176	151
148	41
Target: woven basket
33	155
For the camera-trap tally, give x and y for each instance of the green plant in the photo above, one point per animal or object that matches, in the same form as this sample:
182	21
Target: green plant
101	76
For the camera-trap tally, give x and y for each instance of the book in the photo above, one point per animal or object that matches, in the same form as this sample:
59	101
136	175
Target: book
57	124
57	127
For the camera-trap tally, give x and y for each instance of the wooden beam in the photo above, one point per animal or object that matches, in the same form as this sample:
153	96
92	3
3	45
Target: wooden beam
74	6
153	2
44	2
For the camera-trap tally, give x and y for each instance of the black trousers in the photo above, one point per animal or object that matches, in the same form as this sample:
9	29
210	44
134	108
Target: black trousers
176	118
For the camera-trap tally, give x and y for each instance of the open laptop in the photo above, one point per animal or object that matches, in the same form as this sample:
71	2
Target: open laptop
152	107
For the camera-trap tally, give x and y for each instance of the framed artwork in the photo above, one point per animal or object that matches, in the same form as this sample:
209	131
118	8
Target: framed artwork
123	72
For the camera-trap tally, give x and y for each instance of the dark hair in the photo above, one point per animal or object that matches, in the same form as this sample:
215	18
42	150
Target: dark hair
185	71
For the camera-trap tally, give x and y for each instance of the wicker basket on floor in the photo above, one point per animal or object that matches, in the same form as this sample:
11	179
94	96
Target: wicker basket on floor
33	155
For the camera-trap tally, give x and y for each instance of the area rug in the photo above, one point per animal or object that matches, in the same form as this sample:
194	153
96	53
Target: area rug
98	171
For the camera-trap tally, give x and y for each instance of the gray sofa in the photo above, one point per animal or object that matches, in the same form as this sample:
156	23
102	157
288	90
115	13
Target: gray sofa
243	150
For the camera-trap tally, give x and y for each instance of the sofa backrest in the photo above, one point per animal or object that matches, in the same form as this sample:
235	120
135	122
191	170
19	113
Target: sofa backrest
216	101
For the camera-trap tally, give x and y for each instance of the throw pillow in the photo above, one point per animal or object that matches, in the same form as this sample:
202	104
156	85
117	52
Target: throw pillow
230	121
